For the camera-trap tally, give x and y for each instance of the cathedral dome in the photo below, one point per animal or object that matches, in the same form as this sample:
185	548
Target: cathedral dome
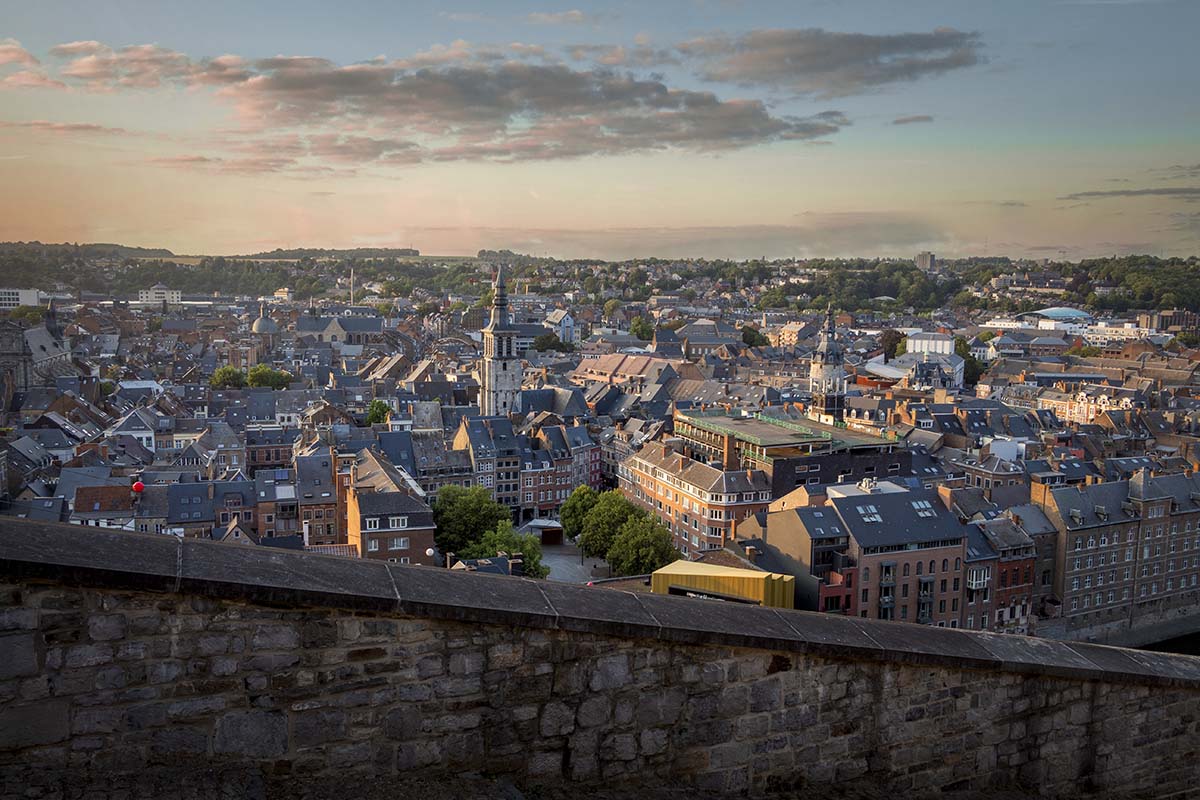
264	324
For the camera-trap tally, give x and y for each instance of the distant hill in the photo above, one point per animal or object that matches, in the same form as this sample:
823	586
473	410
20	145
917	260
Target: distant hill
317	252
93	250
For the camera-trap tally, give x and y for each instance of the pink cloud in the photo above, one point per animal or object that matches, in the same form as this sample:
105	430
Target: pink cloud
11	52
31	79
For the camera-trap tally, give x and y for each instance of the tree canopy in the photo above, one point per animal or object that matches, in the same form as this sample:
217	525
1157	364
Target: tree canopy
227	377
463	515
262	376
377	412
641	546
575	510
642	329
753	337
505	539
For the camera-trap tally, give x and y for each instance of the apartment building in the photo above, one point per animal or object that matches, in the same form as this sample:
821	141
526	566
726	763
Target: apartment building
387	516
700	504
1127	550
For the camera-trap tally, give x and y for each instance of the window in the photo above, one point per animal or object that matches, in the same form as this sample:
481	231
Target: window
397	522
398	543
372	523
372	545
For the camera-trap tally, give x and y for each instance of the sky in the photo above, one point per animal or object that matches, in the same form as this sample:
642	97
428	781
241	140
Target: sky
713	128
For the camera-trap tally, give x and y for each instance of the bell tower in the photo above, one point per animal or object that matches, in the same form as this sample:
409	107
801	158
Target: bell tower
500	368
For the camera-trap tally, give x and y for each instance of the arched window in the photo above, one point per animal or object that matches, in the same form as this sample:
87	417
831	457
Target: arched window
906	570
919	567
945	565
932	567
957	564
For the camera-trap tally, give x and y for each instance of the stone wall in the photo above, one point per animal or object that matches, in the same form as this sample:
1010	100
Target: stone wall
134	665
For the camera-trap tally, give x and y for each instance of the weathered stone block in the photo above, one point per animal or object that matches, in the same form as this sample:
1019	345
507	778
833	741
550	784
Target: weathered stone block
88	655
106	627
594	711
255	734
275	637
558	719
403	723
196	707
318	727
43	722
18	655
610	672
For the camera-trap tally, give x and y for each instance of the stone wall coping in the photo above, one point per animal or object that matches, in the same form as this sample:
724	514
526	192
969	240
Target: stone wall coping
110	559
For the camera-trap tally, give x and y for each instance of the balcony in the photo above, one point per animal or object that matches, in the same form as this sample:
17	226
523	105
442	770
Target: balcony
977	583
887	579
887	601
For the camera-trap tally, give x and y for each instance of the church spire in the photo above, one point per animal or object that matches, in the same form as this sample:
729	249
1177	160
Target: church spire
500	318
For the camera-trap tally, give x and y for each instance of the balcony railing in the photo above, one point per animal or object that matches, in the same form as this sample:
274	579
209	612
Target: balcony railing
887	579
976	583
887	601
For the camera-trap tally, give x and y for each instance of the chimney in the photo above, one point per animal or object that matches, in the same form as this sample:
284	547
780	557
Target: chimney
728	456
751	553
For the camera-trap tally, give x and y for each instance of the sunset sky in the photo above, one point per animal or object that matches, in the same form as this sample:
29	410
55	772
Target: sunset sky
718	128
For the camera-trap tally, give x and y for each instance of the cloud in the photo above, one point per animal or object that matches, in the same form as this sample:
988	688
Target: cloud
997	203
31	79
1182	192
464	16
572	17
512	110
11	52
830	64
145	66
66	127
1177	172
452	102
867	233
910	120
620	56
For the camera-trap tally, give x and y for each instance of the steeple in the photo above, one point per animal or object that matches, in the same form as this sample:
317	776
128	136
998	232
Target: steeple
500	319
500	367
51	320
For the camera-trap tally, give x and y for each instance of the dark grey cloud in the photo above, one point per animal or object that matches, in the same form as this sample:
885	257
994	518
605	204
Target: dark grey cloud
831	64
1182	192
1179	172
513	110
912	119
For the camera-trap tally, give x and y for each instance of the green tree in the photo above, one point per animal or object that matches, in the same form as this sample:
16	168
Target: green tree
754	338
576	509
550	341
263	376
986	336
642	329
901	347
611	511
972	369
227	377
889	340
1188	339
463	515
611	307
377	412
641	546
504	539
31	315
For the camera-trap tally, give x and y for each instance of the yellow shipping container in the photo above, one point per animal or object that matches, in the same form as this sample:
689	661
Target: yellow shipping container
690	579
